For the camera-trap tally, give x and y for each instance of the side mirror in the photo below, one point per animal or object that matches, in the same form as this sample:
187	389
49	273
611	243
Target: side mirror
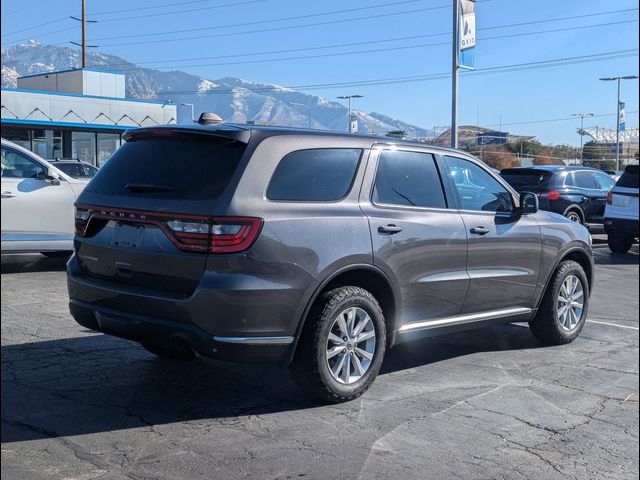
52	176
528	203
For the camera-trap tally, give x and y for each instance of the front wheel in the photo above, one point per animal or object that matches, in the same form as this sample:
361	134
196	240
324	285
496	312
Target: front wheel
574	216
564	307
342	345
618	244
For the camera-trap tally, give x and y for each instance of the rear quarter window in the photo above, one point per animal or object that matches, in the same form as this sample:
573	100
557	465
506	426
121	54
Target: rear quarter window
314	175
630	178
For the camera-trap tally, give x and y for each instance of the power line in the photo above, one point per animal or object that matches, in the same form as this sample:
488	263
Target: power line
258	22
35	26
434	76
330	22
377	50
370	42
151	7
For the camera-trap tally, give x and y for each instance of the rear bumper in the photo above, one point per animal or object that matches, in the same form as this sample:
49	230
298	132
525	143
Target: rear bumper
167	333
620	226
233	317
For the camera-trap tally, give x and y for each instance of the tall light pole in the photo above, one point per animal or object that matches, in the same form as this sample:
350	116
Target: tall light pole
349	97
454	74
582	117
193	119
308	110
618	79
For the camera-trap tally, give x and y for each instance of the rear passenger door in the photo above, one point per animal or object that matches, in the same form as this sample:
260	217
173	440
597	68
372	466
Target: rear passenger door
585	185
417	240
504	248
604	183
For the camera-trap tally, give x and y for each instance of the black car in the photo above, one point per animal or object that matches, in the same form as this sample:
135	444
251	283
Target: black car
578	193
314	249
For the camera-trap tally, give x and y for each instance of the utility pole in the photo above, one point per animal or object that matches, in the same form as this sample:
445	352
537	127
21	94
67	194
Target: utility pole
581	116
618	79
454	74
83	20
349	97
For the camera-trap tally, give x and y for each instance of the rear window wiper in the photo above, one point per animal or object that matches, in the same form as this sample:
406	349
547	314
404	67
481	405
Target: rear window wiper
146	188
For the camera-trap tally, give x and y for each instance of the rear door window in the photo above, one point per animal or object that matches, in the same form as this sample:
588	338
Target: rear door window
181	166
409	179
314	175
584	180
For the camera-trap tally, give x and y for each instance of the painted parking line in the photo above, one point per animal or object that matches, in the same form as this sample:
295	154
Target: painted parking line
614	324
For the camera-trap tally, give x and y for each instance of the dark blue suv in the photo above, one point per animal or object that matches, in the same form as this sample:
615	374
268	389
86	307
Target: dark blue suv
578	193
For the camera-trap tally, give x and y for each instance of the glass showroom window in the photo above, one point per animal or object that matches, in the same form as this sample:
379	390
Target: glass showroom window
83	146
19	136
107	144
47	143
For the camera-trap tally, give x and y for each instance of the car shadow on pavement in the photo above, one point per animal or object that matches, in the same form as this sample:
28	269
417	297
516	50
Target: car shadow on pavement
603	256
31	263
96	383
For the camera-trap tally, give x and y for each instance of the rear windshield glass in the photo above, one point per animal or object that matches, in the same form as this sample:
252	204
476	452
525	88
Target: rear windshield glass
630	178
185	167
320	175
528	178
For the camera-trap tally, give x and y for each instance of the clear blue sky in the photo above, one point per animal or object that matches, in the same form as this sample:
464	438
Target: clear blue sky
519	96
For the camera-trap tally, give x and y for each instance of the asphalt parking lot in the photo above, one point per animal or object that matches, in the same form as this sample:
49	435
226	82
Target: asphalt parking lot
487	404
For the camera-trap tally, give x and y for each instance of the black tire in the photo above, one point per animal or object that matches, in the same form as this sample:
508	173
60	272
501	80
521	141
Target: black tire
618	244
310	369
546	324
170	353
575	216
63	254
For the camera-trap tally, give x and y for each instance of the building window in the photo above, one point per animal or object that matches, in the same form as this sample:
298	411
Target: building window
19	136
47	143
107	144
83	146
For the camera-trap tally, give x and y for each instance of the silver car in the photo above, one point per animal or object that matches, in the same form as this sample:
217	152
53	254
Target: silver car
37	203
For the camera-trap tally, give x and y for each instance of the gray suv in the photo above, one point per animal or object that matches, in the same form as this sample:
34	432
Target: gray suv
313	249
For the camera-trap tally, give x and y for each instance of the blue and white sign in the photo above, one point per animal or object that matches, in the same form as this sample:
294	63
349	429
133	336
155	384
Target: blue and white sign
621	119
467	28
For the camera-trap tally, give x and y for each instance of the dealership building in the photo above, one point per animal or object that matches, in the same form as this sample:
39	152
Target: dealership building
77	113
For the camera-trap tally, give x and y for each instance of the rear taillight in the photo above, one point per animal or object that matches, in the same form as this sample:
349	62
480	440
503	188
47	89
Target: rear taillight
610	198
82	217
550	195
230	235
190	233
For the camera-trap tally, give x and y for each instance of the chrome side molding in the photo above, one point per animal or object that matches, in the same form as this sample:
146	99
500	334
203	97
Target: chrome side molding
256	340
460	319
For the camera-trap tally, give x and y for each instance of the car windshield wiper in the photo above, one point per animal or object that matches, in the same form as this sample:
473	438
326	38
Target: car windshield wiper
145	188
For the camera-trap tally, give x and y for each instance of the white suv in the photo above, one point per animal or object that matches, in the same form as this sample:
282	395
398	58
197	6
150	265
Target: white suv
621	212
37	203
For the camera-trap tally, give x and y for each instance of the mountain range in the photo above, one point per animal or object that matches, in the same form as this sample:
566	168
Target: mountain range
234	99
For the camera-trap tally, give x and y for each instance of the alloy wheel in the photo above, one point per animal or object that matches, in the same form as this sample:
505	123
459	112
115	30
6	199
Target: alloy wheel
570	303
351	344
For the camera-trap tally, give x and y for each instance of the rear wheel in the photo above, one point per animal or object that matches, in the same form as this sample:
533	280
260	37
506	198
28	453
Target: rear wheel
342	345
618	244
565	305
170	353
574	216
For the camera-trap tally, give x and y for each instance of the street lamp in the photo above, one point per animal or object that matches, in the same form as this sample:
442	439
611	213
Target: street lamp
581	116
305	106
349	97
618	79
192	110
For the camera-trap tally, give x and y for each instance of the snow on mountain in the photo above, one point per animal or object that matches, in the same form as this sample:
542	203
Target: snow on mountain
234	99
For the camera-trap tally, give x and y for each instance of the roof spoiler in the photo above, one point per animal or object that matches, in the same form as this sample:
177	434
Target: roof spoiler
231	133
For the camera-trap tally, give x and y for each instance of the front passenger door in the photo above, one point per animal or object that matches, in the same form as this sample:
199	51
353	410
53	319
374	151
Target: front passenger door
504	249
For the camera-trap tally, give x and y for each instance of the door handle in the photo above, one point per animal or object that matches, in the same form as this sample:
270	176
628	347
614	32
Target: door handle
8	194
479	230
390	229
